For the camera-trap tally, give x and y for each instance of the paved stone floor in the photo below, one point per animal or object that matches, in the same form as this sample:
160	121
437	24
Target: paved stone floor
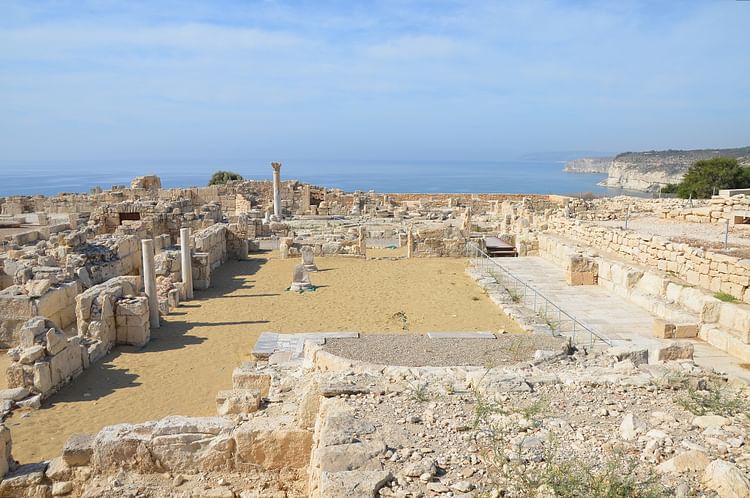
610	315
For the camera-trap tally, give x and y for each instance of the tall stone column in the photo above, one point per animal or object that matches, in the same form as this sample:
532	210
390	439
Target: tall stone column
187	262
149	281
276	190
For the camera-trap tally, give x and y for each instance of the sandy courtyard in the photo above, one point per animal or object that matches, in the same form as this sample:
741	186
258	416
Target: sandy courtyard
192	355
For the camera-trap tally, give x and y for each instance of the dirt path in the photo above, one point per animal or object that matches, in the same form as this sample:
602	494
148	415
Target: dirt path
192	355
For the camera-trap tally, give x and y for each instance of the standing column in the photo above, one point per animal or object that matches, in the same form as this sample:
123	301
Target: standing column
276	190
187	262
149	281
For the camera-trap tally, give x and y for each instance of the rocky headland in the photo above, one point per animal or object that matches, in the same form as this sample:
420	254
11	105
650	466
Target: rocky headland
589	165
649	171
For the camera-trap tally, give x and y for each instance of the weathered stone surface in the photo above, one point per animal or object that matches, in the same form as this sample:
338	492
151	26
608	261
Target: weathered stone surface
354	456
689	461
637	356
706	421
727	480
237	401
631	427
353	484
265	443
343	428
78	449
246	376
56	341
14	394
31	354
675	351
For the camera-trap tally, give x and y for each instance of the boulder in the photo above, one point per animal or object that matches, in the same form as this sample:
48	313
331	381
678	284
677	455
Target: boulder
706	421
675	351
631	427
726	479
78	450
636	355
14	394
689	461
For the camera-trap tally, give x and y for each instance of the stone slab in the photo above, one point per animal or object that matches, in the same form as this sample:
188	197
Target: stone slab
461	335
272	342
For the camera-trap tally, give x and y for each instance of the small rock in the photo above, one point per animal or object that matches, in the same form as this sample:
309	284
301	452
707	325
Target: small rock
462	486
61	488
706	421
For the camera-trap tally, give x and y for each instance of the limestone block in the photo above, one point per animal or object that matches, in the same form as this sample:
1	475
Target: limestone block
663	330
137	306
685	330
42	377
33	330
271	445
138	336
247	377
78	450
56	341
675	351
238	401
30	355
580	278
5	450
68	363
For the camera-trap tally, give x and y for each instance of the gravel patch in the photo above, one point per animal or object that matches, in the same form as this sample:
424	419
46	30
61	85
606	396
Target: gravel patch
417	350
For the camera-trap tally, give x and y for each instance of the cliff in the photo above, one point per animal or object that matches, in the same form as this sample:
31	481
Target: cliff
649	171
588	165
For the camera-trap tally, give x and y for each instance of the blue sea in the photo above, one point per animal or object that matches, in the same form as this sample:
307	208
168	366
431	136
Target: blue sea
541	177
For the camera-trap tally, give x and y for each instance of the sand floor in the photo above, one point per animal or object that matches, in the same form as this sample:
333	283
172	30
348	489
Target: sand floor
192	355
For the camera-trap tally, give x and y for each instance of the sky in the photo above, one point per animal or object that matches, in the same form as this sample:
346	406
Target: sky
381	80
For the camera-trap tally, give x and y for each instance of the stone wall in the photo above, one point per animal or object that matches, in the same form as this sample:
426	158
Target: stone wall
102	322
708	270
55	302
445	242
690	310
46	358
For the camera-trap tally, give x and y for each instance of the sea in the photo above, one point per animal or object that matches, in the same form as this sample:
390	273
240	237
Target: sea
518	177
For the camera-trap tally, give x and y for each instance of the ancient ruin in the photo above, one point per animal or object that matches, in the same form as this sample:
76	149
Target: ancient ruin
575	338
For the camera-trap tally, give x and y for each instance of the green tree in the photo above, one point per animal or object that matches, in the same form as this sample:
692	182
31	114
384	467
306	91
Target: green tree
706	175
222	177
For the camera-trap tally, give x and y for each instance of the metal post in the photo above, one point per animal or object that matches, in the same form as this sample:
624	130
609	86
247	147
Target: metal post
726	236
627	217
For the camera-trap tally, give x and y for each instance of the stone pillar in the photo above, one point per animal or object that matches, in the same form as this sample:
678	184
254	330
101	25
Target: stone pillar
276	190
187	262
362	241
149	281
409	243
305	207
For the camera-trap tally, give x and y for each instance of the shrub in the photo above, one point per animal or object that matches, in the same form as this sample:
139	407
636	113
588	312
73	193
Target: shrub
222	177
707	175
726	297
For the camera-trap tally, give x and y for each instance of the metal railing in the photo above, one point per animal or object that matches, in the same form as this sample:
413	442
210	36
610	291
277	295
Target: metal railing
558	320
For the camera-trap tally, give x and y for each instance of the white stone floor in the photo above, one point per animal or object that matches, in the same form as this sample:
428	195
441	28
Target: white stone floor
610	315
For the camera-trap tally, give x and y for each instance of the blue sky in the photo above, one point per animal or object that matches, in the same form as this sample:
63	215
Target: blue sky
474	80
